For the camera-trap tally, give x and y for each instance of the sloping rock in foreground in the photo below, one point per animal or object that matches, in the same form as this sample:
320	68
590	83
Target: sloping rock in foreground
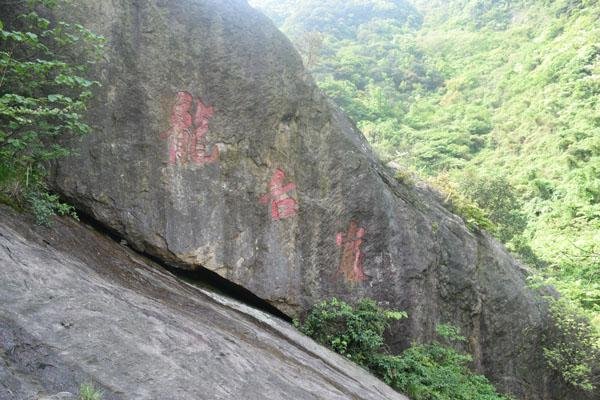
77	307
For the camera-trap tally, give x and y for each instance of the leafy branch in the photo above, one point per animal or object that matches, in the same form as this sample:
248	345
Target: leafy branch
45	93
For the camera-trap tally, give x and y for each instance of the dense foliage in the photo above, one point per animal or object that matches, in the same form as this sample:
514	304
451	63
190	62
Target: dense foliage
495	102
43	97
423	371
355	332
571	346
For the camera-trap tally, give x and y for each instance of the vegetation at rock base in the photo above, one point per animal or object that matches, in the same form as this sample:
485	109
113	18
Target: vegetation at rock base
43	98
572	348
430	371
494	102
355	332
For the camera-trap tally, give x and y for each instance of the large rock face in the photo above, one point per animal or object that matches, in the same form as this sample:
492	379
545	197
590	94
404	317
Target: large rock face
76	307
213	148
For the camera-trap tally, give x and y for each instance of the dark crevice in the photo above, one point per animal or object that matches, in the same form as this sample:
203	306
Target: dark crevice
200	276
204	277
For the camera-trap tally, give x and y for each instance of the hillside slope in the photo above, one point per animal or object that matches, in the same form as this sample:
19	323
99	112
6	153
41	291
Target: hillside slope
499	100
533	71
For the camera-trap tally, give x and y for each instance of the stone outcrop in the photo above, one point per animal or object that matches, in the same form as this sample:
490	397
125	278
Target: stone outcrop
212	148
77	307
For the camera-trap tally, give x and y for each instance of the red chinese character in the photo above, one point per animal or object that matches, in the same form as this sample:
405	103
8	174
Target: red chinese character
187	135
282	205
199	154
352	255
179	133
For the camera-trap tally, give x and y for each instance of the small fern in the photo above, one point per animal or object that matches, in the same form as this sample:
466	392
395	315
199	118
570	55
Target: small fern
87	391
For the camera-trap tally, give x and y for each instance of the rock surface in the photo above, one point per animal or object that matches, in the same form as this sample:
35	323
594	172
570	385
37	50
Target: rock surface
60	396
212	148
77	307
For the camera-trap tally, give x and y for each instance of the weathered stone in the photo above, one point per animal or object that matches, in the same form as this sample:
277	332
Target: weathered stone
77	307
60	396
213	148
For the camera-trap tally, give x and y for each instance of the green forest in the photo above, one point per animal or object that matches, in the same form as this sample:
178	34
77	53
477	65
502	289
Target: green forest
494	102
